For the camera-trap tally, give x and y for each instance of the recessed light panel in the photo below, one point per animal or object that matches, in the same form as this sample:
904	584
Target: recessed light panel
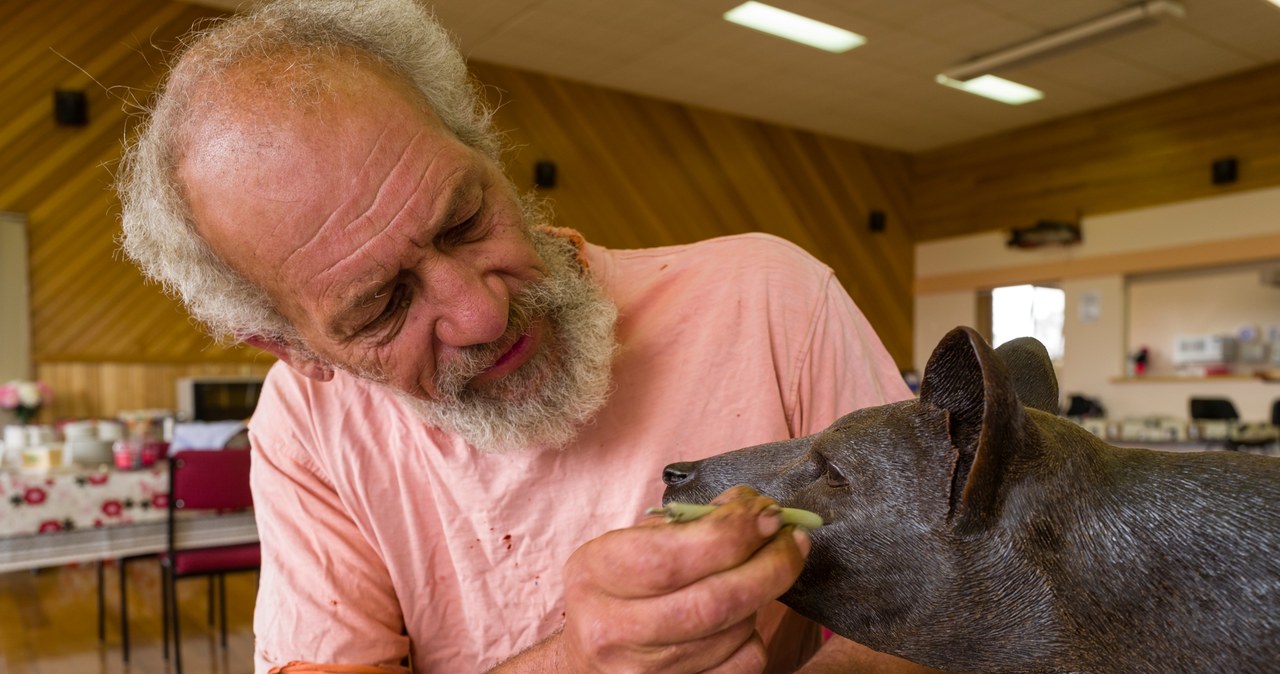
791	26
995	88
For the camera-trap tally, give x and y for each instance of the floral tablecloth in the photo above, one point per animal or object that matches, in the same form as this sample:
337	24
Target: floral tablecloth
78	499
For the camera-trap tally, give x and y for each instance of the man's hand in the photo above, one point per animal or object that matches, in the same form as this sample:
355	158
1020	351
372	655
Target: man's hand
680	597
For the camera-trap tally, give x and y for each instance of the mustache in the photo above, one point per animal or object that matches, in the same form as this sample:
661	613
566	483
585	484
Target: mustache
524	308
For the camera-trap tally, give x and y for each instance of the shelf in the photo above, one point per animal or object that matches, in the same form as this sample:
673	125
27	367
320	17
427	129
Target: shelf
1267	376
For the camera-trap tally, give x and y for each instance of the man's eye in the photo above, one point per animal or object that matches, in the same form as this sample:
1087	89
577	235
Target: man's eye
462	233
397	301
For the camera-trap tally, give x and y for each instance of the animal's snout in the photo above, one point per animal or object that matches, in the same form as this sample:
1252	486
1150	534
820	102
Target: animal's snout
676	474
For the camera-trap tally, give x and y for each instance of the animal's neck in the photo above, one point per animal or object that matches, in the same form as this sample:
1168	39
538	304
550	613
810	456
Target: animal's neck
1137	555
997	616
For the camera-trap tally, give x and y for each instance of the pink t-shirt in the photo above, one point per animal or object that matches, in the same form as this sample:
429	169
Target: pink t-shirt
375	526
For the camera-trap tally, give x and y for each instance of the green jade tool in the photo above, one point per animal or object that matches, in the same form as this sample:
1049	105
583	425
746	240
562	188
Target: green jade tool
687	512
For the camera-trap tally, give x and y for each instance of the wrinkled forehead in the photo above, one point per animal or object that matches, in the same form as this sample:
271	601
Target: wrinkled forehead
269	176
275	154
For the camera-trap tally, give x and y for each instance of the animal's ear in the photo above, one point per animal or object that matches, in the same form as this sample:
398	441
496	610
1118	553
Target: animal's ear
1032	373
985	418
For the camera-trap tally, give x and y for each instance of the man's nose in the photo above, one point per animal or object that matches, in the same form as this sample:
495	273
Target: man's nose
472	305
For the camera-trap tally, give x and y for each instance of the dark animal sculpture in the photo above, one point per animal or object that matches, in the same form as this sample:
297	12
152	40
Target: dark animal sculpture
973	529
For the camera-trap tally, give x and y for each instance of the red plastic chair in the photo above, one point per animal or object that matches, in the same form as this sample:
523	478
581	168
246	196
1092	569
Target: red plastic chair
204	480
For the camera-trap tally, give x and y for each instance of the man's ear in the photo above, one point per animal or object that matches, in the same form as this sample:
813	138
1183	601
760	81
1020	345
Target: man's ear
304	362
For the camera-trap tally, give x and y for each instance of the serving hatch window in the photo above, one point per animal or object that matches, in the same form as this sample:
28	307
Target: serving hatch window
1029	310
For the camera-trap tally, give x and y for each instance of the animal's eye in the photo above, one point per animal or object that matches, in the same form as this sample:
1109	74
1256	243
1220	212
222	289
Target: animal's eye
835	478
830	472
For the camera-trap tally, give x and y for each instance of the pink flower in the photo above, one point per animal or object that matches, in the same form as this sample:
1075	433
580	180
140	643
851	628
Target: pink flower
50	525
34	496
160	501
24	397
98	478
112	508
9	396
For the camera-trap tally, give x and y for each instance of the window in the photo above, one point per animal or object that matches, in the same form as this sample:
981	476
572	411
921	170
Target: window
1029	310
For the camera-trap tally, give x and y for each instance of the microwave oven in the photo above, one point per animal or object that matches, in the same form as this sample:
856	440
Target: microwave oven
1203	349
214	398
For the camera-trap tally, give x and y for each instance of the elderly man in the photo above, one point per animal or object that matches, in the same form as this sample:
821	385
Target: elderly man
472	408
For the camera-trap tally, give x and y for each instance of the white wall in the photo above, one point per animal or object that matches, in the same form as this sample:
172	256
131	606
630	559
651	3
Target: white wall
1098	342
15	310
935	316
1093	336
1232	216
1227	300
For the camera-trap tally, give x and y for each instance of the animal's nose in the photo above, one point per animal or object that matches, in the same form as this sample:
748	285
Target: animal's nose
676	474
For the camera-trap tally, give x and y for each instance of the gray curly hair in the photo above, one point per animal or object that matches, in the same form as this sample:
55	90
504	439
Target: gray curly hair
158	233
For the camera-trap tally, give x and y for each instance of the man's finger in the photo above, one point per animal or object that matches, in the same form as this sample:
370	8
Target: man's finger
654	560
709	605
750	658
719	600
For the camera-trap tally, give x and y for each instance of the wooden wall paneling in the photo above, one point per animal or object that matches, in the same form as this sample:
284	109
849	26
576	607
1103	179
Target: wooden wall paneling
884	251
88	303
874	267
1147	152
29	32
737	147
81	285
55	147
547	125
618	177
104	389
103	339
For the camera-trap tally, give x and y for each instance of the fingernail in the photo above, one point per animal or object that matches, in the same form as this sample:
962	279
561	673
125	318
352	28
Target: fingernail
801	536
770	520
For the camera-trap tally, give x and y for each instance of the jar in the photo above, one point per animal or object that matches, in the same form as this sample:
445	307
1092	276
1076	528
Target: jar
127	454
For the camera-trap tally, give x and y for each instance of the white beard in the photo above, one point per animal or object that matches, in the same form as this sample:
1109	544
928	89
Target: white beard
544	403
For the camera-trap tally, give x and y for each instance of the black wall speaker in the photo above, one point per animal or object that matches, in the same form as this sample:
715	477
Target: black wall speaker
1225	171
544	174
70	108
875	221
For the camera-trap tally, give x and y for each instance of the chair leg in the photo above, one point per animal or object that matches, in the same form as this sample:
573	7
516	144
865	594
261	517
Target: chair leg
210	580
102	602
176	623
164	608
124	610
222	606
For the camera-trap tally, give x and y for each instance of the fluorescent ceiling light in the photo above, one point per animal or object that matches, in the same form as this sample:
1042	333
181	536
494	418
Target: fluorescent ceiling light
794	27
995	88
1139	15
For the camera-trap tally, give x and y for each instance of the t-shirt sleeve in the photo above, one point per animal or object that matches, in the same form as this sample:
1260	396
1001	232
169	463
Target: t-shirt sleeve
846	366
324	594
